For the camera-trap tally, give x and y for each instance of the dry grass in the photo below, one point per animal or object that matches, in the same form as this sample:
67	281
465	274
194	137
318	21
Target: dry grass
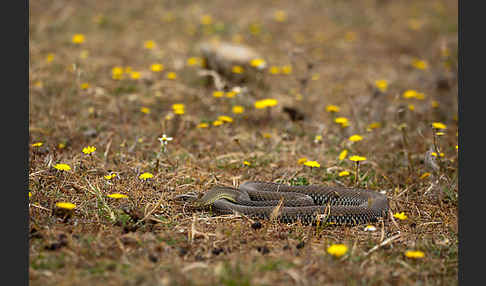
147	239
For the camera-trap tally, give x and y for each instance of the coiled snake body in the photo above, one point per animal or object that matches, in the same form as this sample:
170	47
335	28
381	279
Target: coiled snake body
291	203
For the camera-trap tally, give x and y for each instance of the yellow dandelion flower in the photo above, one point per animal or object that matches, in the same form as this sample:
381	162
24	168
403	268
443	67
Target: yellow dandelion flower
258	63
267	135
337	250
238	109
145	110
237	69
61	145
264	103
343	154
400	216
332	108
30	195
420	64
193	61
218	93
146	176
50	57
411	107
117	196
117	73
414	254
280	16
302	160
317	138
62	167
439	125
135	75
37	144
434	103
202	125
217	123
78	38
343	173
206	19
230	94
110	176
89	149
355	138
225	118
341	120
410	93
356	158
65	205
149	45
171	75
246	163
373	125
274	70
287	69
382	85
84	86
425	175
312	164
157	67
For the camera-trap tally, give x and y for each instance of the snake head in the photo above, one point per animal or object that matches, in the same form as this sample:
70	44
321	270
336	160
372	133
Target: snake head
190	197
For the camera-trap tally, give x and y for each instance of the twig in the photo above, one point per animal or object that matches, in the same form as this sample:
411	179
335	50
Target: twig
385	242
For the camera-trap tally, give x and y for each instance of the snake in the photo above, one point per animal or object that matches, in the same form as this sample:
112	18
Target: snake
286	203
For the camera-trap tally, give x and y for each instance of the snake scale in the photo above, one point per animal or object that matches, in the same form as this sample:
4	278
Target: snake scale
263	200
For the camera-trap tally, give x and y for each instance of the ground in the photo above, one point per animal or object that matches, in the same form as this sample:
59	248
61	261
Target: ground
388	67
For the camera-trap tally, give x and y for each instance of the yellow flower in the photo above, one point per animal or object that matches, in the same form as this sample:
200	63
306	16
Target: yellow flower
37	144
192	61
356	158
287	69
238	109
230	94
218	93
434	103
410	93
206	19
355	138
117	196
146	176
157	67
264	103
145	110
50	57
332	108
439	125
302	160
411	107
267	135
78	39
341	120
373	125
414	254
203	125
317	138
176	106
117	73
435	154
343	154
217	123
135	75
246	163
258	63
89	149
312	164
65	205
420	95
425	175
171	75
110	176
149	45
225	118
62	167
280	16
30	195
237	69
61	145
343	173
400	216
382	85
274	70
337	250
84	86
420	64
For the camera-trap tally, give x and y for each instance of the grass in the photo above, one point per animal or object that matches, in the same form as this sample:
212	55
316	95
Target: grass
337	50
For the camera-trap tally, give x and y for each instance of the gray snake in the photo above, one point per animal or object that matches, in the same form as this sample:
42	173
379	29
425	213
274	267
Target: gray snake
337	205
